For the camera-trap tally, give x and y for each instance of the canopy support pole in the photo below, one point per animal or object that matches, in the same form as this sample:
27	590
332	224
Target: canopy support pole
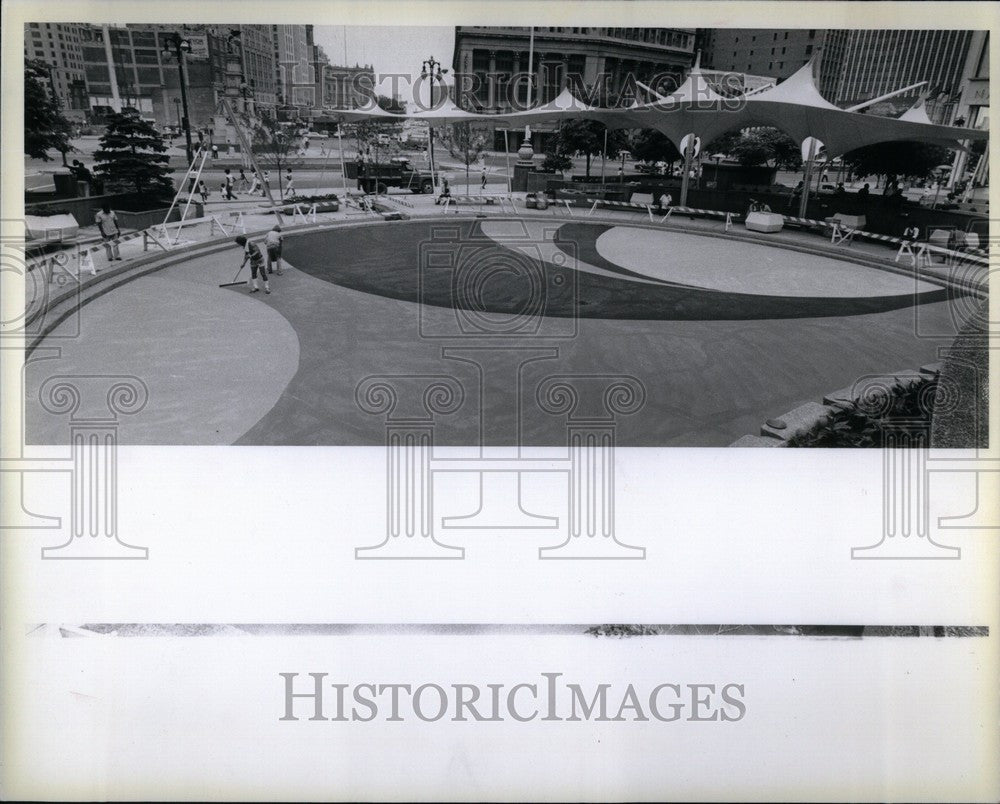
804	200
506	156
343	169
686	177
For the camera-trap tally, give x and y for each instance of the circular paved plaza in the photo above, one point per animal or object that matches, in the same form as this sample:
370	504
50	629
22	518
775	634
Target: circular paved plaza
721	333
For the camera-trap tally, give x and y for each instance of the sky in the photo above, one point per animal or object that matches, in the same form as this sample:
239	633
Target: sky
388	49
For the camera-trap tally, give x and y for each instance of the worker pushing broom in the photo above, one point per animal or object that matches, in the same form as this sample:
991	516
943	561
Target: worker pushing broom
251	252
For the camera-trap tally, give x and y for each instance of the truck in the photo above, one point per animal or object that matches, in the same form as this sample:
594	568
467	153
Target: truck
377	177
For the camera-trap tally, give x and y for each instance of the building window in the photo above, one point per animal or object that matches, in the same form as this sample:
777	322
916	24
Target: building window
786	34
809	49
812	34
783	51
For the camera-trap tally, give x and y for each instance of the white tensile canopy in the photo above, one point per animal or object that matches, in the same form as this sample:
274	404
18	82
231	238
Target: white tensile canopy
795	106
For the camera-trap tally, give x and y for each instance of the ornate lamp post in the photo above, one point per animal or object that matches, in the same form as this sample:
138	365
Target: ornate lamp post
431	68
174	44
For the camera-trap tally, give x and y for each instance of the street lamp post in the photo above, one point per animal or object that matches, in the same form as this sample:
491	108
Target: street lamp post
177	108
180	47
431	68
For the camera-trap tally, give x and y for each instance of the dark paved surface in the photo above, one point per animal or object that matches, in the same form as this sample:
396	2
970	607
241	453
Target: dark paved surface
352	302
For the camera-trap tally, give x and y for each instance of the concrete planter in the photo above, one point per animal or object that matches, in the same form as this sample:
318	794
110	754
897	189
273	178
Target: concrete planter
151	217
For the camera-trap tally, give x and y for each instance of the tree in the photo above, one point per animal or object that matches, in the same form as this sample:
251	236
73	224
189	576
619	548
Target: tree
915	160
277	147
45	126
465	144
588	137
132	155
759	146
650	145
556	162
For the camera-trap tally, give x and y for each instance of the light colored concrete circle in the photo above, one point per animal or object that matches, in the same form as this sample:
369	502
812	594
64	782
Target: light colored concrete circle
734	267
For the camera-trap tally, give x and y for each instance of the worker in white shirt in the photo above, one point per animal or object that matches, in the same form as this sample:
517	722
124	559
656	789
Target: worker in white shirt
272	241
107	224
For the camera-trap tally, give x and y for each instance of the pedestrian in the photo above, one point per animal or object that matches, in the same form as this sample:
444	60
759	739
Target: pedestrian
251	252
621	174
483	183
255	185
244	181
911	233
666	200
445	192
840	192
228	181
864	192
289	184
215	151
192	186
203	189
754	206
272	241
107	224
796	193
266	189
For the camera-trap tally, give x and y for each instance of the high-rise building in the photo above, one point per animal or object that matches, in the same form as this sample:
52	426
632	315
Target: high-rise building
772	52
136	66
59	46
295	84
487	58
257	56
872	63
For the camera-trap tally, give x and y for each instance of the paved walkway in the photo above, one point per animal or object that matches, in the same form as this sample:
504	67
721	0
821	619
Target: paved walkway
223	366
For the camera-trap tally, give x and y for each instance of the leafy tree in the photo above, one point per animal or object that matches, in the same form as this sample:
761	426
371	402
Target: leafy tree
464	143
915	160
556	162
587	137
759	146
45	126
650	145
276	147
132	155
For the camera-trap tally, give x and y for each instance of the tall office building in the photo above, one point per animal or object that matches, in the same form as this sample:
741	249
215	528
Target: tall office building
295	83
60	48
490	56
257	57
776	53
872	63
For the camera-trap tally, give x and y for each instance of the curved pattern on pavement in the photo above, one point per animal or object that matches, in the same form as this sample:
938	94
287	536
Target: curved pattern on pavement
720	264
510	268
214	362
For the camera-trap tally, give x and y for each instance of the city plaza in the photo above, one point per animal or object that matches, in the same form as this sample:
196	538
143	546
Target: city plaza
724	326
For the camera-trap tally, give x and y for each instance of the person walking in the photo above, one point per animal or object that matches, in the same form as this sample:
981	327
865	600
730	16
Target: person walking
272	242
267	183
244	181
107	224
203	190
255	185
482	184
215	151
228	181
289	184
251	252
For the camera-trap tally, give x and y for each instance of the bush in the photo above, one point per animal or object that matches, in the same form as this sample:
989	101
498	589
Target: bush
863	423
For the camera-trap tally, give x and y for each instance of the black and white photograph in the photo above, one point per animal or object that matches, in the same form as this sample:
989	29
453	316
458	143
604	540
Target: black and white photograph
410	379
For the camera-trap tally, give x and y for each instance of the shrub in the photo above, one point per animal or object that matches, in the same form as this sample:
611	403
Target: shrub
863	423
